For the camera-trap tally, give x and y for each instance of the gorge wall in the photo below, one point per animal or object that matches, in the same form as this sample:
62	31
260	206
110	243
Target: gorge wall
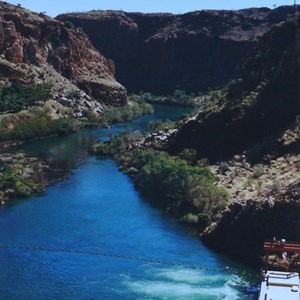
262	102
164	52
245	225
255	123
36	48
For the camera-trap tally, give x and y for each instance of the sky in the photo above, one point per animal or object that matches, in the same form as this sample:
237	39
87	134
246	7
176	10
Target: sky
55	7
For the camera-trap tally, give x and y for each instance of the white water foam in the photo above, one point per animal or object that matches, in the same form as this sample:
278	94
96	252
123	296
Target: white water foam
180	284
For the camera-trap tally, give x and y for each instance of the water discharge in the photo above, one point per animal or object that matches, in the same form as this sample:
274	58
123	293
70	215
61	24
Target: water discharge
185	284
97	208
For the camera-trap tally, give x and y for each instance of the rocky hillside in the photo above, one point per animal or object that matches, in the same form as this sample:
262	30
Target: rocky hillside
253	136
265	203
263	101
250	134
164	52
35	48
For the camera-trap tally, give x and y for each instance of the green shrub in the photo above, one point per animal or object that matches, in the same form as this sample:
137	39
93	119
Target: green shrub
74	94
12	180
16	97
160	125
178	97
40	125
188	155
147	97
275	188
116	145
129	112
80	30
178	186
204	162
91	117
258	171
224	167
69	24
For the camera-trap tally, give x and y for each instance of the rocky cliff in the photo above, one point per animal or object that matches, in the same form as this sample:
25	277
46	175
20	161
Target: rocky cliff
35	48
164	52
263	101
256	120
245	225
251	135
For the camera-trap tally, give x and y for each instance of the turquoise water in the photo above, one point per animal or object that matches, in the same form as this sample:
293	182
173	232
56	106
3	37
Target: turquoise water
96	208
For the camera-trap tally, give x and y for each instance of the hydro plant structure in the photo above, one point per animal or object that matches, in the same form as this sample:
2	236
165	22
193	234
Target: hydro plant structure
280	277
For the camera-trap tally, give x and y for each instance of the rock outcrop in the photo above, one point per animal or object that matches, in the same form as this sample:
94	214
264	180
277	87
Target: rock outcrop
265	202
35	48
164	52
245	225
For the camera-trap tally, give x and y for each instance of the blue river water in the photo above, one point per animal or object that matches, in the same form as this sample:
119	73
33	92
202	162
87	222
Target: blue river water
96	208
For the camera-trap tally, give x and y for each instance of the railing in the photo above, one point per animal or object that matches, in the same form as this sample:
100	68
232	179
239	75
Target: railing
281	246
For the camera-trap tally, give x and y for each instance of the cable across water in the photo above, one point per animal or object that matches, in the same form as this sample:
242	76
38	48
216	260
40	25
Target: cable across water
227	270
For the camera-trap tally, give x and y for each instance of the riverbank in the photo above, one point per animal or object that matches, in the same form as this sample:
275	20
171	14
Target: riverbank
265	203
97	209
40	122
179	185
263	187
20	176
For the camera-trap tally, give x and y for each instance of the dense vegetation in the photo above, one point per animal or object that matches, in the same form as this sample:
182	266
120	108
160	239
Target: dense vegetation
183	189
34	123
35	126
179	185
161	125
117	145
113	115
13	184
178	97
15	97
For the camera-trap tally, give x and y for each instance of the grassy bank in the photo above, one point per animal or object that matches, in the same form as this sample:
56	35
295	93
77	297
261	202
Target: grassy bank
37	122
113	115
35	126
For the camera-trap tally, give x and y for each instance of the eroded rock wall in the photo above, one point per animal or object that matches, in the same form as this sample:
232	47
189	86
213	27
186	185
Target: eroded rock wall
164	52
28	38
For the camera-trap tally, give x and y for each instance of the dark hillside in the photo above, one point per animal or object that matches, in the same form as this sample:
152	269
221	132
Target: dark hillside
164	52
261	102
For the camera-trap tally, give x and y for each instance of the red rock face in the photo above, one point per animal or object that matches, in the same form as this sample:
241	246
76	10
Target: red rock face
164	52
31	38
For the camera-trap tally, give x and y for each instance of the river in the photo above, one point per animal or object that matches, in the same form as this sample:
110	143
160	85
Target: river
96	208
